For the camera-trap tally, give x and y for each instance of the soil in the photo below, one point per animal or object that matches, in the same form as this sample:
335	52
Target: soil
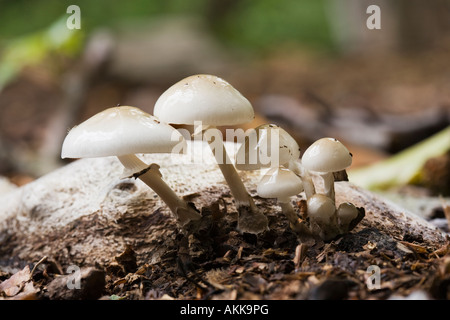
212	260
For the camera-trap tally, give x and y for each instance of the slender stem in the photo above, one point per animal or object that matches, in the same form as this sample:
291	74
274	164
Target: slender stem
328	185
250	219
288	211
131	164
237	187
179	207
308	184
153	178
294	222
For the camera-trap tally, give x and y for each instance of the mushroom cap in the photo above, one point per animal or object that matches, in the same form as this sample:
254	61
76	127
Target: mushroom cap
259	143
279	183
120	131
320	208
326	155
205	98
346	212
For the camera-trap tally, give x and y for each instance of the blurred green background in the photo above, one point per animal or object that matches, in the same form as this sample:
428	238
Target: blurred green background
249	24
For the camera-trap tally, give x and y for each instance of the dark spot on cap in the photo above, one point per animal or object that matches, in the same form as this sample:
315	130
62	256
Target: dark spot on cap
351	155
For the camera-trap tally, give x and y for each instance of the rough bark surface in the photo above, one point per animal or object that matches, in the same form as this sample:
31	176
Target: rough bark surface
83	214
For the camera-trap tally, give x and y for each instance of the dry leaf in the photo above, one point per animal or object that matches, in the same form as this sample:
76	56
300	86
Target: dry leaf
19	285
369	246
442	251
300	255
415	247
28	292
14	285
217	278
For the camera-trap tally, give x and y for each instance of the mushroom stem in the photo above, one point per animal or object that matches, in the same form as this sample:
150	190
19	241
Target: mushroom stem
253	221
328	185
132	164
152	177
308	184
237	187
288	211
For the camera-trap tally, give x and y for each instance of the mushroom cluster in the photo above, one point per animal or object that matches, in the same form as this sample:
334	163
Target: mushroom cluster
325	157
206	102
289	175
270	146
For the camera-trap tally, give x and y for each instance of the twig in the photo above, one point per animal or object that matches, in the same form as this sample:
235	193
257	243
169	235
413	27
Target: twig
36	265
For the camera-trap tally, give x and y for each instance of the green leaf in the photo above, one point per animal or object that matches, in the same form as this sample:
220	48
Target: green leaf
33	48
404	167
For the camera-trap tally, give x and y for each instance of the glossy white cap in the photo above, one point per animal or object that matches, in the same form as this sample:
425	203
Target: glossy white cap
326	155
120	131
205	98
256	150
320	208
346	213
279	183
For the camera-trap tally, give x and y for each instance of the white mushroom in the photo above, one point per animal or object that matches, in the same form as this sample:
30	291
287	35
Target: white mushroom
346	213
210	101
321	211
269	145
123	132
325	156
281	183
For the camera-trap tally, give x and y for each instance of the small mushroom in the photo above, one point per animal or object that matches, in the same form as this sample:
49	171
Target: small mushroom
269	145
266	146
123	132
347	214
325	156
281	183
321	212
209	101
